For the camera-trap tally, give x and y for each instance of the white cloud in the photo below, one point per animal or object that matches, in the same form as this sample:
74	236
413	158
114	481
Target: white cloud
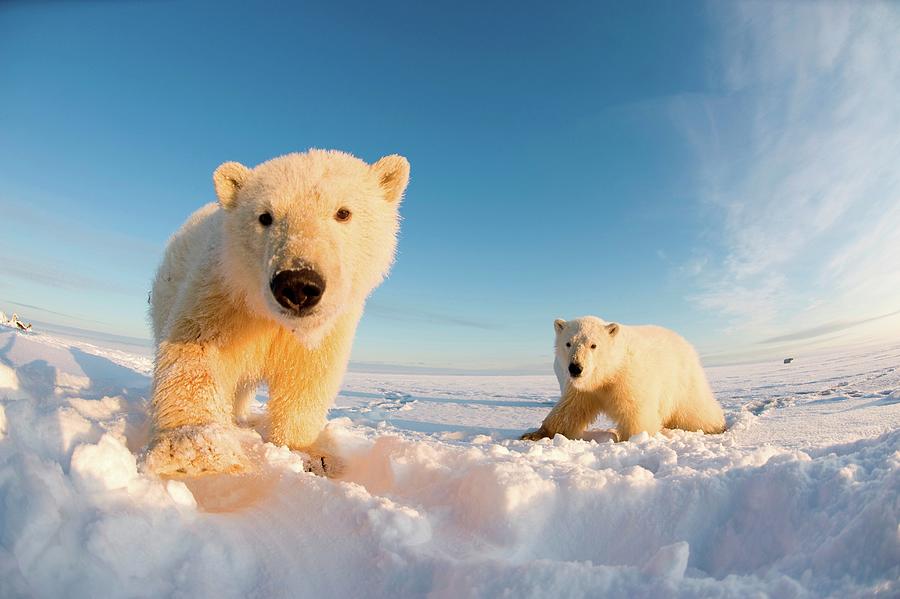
799	165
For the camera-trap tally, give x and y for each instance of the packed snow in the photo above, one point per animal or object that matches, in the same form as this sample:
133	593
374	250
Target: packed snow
799	498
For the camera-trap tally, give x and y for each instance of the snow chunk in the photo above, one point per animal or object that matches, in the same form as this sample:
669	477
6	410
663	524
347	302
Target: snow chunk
10	388
8	379
669	562
106	465
180	494
98	409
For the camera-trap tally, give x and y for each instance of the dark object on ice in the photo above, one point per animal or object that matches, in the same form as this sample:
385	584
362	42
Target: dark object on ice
19	324
788	360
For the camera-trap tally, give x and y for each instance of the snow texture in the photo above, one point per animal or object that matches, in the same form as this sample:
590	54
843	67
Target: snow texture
798	499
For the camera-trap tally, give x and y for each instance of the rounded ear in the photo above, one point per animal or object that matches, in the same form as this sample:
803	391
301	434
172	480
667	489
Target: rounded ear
612	328
559	324
228	180
393	176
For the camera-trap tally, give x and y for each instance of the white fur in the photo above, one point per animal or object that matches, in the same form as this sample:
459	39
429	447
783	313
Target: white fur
219	330
644	378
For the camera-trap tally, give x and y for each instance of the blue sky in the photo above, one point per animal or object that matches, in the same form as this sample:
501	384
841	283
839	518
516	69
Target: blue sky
728	170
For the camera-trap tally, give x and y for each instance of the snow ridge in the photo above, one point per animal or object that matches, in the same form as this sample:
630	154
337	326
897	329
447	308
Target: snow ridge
798	499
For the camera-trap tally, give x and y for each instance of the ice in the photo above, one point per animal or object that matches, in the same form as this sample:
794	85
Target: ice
797	499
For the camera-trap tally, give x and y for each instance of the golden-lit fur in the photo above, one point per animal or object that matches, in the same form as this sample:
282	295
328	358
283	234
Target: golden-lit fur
220	332
644	378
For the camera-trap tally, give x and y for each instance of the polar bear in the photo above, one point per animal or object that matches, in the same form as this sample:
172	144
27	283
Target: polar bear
268	285
644	378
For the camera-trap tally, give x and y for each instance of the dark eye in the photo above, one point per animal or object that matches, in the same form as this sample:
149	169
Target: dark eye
568	344
593	346
342	215
265	219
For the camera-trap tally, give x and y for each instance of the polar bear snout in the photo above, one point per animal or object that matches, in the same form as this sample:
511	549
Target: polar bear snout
575	369
299	290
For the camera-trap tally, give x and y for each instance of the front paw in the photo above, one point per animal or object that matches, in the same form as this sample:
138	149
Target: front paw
194	451
537	435
324	464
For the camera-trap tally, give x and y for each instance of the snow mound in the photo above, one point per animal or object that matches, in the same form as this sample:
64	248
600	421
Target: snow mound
103	466
798	499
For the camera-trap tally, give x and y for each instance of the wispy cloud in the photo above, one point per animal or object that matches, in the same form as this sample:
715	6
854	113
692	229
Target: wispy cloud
799	165
19	305
57	278
418	315
826	329
86	231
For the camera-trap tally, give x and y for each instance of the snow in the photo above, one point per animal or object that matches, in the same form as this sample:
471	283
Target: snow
798	499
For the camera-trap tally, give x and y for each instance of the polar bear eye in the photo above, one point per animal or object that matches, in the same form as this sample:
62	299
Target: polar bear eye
343	215
265	219
593	346
568	344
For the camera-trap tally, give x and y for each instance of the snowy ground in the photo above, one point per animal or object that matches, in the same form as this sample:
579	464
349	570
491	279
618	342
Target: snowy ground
799	498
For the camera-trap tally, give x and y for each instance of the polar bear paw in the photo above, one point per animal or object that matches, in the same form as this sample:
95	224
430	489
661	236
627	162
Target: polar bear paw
322	463
195	451
537	435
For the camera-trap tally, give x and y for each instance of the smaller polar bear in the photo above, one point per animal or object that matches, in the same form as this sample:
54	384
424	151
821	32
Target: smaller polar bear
644	378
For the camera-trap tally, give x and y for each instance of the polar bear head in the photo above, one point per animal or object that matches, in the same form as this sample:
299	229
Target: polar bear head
589	351
307	236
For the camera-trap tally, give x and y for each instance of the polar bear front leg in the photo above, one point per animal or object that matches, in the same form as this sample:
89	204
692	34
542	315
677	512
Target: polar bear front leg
569	417
638	422
192	420
298	410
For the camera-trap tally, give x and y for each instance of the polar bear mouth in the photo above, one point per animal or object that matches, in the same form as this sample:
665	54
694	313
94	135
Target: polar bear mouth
578	381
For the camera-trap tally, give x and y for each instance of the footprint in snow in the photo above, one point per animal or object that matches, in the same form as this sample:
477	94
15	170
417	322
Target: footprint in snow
393	401
758	406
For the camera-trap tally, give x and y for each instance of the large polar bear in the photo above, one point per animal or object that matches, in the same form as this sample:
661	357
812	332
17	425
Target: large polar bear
644	378
267	285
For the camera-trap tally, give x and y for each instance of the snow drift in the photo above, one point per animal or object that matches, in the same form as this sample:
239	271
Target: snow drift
799	498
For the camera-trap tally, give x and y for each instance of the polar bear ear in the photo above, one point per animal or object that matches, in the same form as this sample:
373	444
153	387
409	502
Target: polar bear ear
393	176
559	324
612	328
228	179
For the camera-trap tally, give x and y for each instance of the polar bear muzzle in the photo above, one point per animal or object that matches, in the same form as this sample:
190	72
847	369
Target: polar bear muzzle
298	291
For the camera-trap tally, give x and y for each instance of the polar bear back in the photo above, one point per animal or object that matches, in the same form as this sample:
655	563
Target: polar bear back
667	366
186	253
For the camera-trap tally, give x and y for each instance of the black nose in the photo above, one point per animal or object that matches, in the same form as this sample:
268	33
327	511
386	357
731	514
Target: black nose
298	290
575	369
